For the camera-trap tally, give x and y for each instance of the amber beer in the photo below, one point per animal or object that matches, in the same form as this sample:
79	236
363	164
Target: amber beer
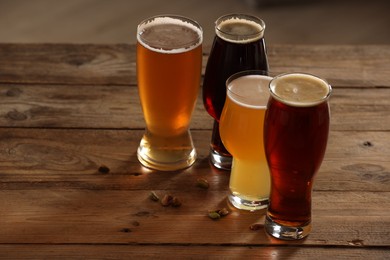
295	137
238	45
169	62
241	129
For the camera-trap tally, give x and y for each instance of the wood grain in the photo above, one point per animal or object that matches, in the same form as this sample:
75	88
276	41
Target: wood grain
128	216
127	251
110	107
67	110
90	64
342	65
67	63
70	159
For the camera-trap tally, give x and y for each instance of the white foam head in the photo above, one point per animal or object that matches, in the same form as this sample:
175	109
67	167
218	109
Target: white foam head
250	91
240	28
300	89
169	34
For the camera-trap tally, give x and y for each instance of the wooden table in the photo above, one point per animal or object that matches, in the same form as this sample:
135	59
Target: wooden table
71	185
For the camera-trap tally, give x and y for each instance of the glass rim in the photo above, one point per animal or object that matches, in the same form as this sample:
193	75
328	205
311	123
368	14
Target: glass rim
245	73
257	35
297	103
193	43
244	98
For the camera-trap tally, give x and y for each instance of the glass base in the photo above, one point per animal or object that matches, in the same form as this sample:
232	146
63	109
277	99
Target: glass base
220	161
250	205
286	232
166	154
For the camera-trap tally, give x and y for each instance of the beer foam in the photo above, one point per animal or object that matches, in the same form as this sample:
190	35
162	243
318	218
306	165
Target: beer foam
169	35
250	91
300	89
240	30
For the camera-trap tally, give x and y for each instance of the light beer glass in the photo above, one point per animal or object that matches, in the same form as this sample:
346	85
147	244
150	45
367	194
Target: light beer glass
241	129
169	63
296	131
238	45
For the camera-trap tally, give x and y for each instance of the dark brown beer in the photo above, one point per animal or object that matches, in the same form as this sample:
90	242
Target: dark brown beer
229	55
295	139
238	45
295	136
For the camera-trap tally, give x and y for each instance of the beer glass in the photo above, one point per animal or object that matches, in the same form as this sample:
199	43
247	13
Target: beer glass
238	45
241	129
296	131
169	63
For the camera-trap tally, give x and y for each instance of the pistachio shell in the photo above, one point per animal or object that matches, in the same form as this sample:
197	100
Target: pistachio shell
202	183
214	215
153	196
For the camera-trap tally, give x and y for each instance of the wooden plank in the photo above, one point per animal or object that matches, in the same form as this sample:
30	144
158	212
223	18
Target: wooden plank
128	216
355	160
360	109
81	106
342	65
70	159
68	64
188	252
87	106
53	195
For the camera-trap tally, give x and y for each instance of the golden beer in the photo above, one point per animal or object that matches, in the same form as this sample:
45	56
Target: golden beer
169	62
241	129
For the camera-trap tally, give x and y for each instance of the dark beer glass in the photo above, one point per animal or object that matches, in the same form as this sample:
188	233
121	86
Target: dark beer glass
296	128
238	45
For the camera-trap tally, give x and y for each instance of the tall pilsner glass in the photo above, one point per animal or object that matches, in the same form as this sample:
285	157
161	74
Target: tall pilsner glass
169	63
296	131
241	128
238	45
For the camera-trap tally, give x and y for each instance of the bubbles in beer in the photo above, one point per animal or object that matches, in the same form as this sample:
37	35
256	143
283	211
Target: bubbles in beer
299	89
169	35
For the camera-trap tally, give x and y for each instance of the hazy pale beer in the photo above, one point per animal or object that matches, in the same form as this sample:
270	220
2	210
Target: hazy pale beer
169	63
238	45
295	136
241	129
